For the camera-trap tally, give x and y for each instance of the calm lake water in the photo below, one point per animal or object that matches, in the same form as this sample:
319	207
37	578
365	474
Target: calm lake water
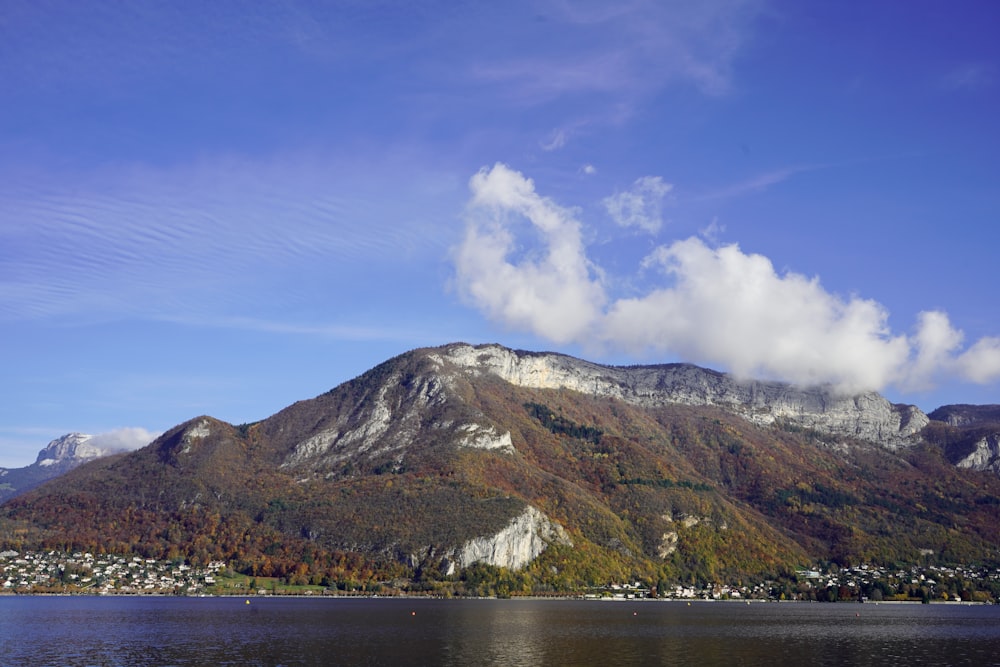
71	631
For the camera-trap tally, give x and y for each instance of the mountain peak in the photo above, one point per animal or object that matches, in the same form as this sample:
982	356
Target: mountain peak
72	446
59	456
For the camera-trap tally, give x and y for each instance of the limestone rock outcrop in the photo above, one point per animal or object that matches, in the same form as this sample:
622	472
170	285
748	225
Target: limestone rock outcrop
519	543
867	416
985	455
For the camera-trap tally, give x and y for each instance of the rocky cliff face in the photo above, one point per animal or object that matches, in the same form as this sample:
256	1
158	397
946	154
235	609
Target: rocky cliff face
972	439
984	455
519	543
406	405
866	416
71	448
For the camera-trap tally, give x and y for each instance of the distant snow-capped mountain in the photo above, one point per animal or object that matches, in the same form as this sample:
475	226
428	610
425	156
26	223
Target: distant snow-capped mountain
73	448
58	457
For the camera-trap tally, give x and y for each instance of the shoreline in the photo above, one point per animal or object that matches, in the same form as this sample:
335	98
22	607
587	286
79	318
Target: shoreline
526	598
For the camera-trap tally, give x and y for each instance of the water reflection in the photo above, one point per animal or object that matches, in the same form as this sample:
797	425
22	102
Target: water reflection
179	631
494	633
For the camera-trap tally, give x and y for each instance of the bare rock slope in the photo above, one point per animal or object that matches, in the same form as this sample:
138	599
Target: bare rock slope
867	416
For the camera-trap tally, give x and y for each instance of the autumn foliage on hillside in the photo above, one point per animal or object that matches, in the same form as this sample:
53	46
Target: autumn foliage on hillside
673	494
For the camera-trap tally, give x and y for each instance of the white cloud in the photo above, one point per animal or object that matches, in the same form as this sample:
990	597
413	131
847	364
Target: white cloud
723	306
939	355
716	305
934	342
552	293
588	169
127	438
641	206
981	362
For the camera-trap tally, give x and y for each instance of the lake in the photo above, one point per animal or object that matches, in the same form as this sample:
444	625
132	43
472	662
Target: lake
110	631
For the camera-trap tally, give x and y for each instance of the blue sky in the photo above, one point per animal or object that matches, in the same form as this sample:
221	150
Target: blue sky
222	208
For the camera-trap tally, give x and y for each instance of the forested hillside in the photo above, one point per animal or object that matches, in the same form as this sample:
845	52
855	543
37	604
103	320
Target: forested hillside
414	470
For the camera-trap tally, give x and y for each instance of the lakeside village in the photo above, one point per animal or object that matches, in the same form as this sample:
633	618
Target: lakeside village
88	574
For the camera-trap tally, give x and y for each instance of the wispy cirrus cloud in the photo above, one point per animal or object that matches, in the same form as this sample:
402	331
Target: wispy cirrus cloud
325	329
971	76
604	62
199	238
765	180
757	183
635	47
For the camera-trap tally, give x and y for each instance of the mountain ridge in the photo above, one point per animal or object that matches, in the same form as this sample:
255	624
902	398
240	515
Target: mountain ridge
443	460
867	415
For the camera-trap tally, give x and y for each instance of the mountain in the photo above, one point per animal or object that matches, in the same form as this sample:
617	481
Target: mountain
59	456
973	437
967	415
866	416
460	462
